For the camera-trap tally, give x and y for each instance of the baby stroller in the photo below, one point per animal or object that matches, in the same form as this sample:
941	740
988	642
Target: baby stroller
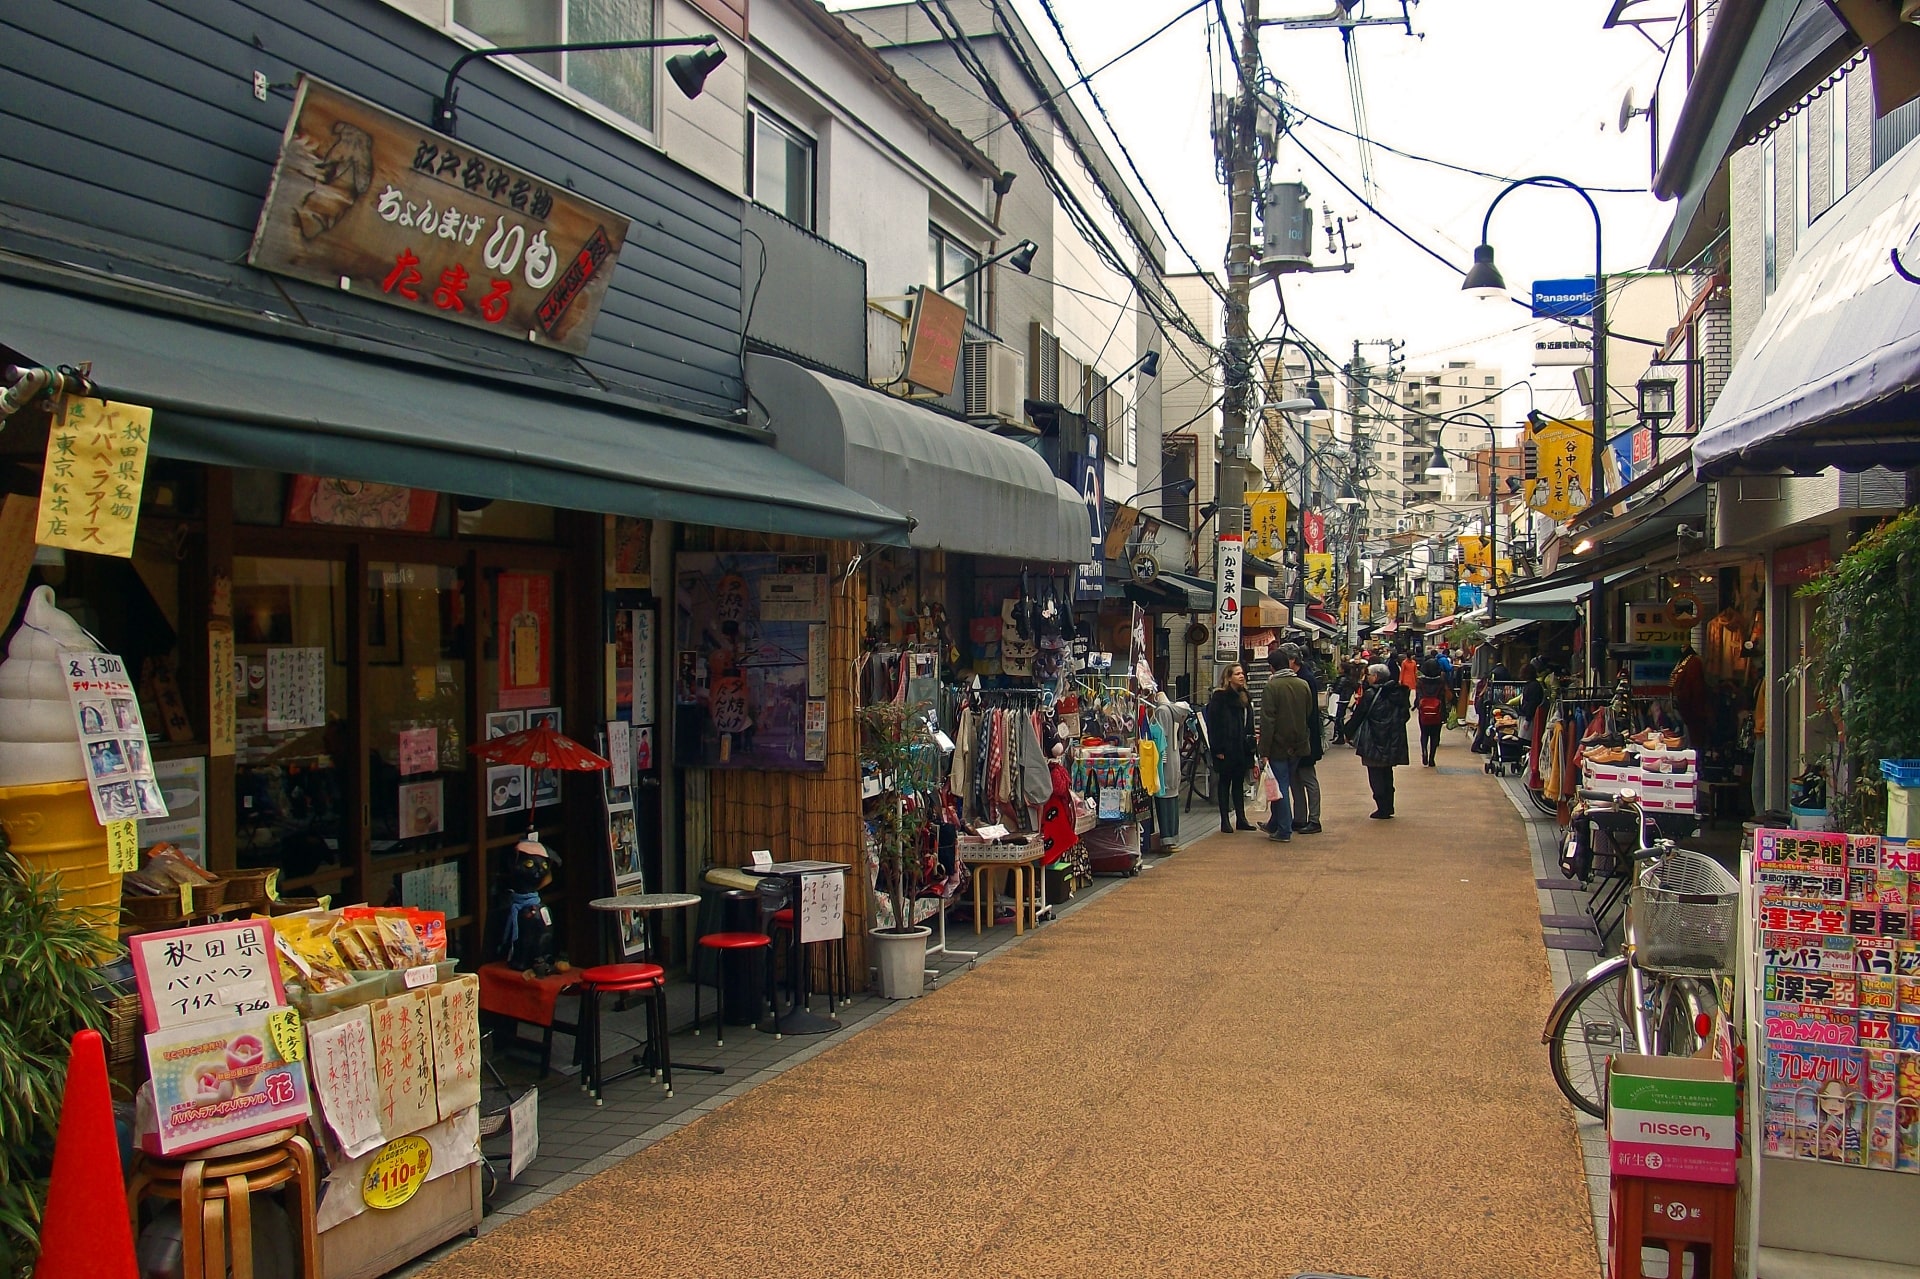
1508	754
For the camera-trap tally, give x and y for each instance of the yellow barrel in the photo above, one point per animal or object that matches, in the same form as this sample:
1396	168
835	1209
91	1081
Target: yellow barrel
51	828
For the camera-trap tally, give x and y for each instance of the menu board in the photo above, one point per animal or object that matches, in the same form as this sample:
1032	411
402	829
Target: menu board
112	737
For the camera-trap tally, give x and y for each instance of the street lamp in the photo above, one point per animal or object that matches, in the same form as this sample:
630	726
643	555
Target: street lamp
1483	280
688	70
1148	364
1656	396
1019	257
1439	466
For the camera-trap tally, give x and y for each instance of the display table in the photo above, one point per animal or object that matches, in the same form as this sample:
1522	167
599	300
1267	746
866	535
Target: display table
1022	862
375	1243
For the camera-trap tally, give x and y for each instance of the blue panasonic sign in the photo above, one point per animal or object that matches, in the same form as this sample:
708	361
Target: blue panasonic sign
1562	299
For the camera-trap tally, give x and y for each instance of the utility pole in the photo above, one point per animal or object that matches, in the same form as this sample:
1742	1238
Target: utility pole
1237	360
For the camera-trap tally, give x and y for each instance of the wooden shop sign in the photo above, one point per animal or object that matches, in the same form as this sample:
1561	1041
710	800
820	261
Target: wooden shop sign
367	201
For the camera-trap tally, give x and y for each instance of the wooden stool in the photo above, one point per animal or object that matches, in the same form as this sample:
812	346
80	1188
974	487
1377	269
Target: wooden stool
214	1188
1679	1216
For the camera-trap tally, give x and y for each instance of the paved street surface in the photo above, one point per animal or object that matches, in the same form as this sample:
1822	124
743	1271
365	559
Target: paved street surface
1258	1058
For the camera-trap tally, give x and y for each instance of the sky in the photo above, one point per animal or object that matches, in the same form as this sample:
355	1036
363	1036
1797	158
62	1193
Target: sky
1511	87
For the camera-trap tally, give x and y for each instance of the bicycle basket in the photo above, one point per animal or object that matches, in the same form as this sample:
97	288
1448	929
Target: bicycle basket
1685	911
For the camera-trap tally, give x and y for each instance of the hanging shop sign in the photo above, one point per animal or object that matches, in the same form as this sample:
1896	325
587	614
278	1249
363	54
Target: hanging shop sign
1320	572
1563	299
1313	527
1124	519
933	342
1565	469
90	487
1226	617
1267	533
1797	565
366	201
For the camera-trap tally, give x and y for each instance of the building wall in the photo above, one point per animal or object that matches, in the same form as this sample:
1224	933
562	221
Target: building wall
708	134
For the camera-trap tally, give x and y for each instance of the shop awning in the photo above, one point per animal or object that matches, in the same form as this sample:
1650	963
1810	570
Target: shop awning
1442	623
1831	377
1508	626
1558	602
1167	592
1260	609
236	398
966	489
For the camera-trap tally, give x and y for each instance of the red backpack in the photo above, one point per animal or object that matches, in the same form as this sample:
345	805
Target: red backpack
1433	711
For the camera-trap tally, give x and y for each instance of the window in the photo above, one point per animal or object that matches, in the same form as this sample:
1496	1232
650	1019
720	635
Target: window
1836	143
619	79
1769	218
779	166
1490	380
948	259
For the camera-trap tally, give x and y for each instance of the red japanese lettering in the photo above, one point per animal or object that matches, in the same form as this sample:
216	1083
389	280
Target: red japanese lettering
404	276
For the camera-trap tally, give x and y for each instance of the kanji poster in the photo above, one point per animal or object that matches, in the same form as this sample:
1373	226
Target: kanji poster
340	1050
96	463
741	632
403	1060
524	619
454	1009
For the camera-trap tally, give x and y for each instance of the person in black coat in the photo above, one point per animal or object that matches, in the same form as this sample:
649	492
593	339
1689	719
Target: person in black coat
1230	734
1381	736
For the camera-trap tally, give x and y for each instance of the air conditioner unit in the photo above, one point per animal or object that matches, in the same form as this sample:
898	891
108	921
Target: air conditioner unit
996	382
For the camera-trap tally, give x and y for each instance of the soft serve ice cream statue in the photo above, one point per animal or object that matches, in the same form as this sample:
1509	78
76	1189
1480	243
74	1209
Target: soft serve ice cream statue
38	743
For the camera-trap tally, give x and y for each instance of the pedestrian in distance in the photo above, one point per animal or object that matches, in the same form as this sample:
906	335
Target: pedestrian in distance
1230	729
1430	706
1381	740
1306	776
1409	671
1345	689
1286	707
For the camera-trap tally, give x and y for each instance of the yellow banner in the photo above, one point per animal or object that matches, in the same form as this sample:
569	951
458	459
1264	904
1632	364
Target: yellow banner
1420	606
1473	550
96	463
1320	572
1267	534
1566	456
1449	601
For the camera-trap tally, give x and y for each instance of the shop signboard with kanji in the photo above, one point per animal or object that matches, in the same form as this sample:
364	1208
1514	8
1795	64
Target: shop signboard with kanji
1566	459
366	201
208	973
1226	618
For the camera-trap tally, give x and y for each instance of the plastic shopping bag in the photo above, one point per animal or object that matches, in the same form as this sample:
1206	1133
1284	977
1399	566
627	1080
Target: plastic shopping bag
1269	785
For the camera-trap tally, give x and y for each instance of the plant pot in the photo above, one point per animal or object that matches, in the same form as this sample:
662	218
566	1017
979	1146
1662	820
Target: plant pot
901	960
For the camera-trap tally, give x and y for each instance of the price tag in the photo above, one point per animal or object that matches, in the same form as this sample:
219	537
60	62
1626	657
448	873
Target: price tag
186	899
123	847
284	1025
396	1174
273	885
421	975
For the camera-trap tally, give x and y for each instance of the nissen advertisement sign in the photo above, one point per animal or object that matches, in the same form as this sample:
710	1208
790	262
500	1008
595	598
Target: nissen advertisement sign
1562	299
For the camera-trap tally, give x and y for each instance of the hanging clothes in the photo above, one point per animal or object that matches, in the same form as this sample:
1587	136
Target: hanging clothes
1057	833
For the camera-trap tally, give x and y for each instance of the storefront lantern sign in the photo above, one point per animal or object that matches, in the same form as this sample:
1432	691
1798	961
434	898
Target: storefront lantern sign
366	201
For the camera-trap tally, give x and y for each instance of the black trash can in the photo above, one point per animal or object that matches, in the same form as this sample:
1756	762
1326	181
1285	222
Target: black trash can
743	971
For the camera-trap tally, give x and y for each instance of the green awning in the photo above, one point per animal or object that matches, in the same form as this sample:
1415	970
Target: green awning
233	397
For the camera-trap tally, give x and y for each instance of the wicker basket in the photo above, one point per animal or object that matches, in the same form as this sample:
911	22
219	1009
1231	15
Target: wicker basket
151	910
247	887
289	905
208	898
123	1030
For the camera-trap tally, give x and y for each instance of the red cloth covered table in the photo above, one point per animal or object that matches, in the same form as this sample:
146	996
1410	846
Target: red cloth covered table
522	997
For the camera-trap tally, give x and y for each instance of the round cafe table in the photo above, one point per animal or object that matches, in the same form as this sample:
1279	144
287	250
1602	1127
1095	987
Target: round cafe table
646	905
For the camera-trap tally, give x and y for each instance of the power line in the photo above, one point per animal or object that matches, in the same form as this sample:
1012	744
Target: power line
1295	109
1165	27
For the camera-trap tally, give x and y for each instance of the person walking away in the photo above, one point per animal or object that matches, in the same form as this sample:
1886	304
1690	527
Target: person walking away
1409	672
1430	705
1286	705
1229	717
1306	777
1381	741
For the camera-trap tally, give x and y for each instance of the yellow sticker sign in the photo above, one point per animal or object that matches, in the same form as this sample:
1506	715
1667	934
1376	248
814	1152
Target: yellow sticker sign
95	466
123	847
396	1173
284	1025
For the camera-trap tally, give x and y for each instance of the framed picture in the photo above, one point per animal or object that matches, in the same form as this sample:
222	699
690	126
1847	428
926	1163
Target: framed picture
421	809
633	937
500	723
506	789
313	499
623	843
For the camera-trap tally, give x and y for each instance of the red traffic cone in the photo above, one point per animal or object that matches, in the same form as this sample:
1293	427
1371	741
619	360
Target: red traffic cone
85	1232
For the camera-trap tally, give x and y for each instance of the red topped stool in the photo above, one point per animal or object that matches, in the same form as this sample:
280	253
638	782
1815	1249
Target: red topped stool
724	944
619	979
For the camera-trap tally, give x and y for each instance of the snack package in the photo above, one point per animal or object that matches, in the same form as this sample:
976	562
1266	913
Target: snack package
167	863
430	929
358	946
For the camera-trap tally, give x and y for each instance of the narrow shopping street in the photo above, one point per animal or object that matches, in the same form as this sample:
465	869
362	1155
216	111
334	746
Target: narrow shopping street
1256	1059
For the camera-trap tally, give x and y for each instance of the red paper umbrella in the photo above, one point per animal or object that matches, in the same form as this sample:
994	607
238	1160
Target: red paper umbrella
542	748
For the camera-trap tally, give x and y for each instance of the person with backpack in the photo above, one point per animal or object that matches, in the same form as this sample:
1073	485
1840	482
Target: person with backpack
1430	706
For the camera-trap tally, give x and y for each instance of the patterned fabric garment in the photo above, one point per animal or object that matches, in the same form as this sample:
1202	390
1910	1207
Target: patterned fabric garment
1056	817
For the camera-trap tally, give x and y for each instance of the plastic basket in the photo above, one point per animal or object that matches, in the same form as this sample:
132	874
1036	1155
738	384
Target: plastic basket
1901	772
1686	911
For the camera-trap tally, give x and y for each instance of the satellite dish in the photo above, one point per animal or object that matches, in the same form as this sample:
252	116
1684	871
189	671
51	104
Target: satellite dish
1628	110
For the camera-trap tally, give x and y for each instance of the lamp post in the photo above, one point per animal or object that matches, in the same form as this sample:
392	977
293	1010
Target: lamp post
688	70
1483	280
1439	466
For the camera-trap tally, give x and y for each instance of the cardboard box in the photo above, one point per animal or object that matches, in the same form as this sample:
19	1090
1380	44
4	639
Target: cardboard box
1671	1117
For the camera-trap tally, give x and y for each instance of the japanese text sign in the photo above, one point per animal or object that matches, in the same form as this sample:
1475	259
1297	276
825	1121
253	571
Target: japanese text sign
1320	572
1226	618
344	1079
1313	527
112	736
90	488
403	1063
219	1081
1267	533
1566	453
207	974
933	342
363	199
823	902
454	1007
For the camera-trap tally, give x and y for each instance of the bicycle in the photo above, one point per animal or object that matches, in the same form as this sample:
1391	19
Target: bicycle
1658	996
1196	759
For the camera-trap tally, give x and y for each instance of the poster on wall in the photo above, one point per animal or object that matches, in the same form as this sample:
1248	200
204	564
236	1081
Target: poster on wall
629	553
524	617
119	771
741	631
314	499
633	669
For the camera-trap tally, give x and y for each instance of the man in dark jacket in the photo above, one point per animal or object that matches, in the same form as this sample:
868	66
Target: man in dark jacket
1306	778
1285	707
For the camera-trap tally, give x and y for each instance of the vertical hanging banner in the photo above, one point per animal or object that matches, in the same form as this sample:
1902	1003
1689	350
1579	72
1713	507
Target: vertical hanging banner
1313	526
1267	535
221	689
1319	572
90	487
524	616
1566	453
1226	614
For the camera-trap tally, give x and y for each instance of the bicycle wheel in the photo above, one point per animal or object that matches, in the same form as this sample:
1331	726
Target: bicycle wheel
1199	778
1589	1028
1679	1003
1542	803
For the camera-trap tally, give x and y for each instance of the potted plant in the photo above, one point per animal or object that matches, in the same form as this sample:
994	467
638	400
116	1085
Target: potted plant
897	749
46	994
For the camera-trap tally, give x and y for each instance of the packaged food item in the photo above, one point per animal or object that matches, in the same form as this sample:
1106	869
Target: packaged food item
430	928
358	945
168	865
403	949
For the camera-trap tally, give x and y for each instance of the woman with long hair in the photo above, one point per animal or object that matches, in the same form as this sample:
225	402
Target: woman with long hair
1430	704
1230	729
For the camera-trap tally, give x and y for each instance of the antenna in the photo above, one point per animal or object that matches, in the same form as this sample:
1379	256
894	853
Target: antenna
1628	111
